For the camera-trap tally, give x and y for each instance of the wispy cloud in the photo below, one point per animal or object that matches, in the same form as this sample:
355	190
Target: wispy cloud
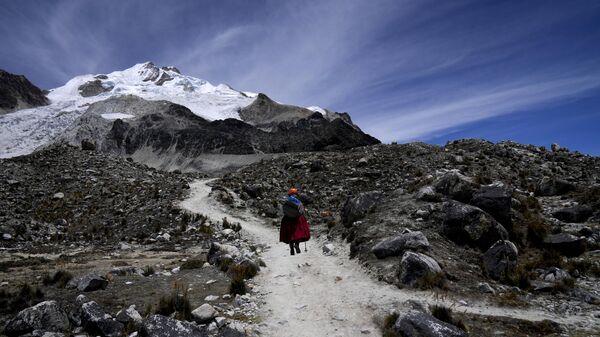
405	70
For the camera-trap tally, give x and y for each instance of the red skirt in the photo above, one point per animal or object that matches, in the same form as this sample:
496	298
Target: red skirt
294	229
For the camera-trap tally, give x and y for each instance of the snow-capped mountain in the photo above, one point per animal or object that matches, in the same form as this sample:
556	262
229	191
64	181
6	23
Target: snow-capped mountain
92	106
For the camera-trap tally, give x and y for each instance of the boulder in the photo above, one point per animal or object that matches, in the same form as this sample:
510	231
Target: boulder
45	316
577	213
94	321
88	145
204	313
551	186
501	259
496	200
555	275
162	326
254	190
456	186
89	282
358	207
130	316
427	193
420	324
397	245
567	244
414	266
465	224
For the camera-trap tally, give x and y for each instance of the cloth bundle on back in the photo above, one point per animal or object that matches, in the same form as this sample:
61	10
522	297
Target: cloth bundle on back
294	226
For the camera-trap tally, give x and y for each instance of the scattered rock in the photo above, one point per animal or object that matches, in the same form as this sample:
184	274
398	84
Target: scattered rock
204	313
419	324
357	207
555	275
427	193
550	187
328	248
162	326
95	321
130	315
89	282
414	266
465	224
397	245
486	288
45	316
567	244
500	260
456	186
496	200
88	145
578	213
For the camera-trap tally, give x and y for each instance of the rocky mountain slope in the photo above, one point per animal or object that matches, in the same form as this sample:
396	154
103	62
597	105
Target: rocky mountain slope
16	92
514	224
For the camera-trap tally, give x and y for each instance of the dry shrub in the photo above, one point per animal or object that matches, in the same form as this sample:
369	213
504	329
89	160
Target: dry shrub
177	302
444	314
432	281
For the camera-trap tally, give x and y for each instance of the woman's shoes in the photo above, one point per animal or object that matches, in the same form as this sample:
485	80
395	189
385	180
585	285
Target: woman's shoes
292	251
298	251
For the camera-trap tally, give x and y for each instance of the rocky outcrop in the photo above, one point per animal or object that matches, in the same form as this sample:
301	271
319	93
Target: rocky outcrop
93	88
45	316
466	224
397	245
419	324
94	321
414	266
16	92
162	131
456	186
496	200
565	243
553	186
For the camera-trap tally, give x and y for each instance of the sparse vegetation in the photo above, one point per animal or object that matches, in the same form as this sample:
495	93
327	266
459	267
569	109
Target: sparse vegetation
388	325
432	281
148	270
26	296
194	263
510	299
60	278
177	302
444	314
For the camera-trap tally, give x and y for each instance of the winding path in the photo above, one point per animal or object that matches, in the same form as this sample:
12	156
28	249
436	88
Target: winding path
312	294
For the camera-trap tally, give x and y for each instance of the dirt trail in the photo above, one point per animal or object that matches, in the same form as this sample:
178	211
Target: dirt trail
312	294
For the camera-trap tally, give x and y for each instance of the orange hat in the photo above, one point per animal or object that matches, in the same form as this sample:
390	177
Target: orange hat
292	191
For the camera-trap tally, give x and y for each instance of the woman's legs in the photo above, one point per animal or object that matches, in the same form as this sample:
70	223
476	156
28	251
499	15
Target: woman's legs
292	248
297	245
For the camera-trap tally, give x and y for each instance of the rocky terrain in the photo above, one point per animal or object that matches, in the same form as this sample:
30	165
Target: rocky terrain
161	132
16	92
516	225
98	245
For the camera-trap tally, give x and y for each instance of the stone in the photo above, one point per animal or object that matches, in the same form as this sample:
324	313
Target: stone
96	322
456	186
555	147
397	245
414	266
88	145
500	260
576	214
427	193
555	275
496	200
162	326
58	195
466	224
567	244
254	190
6	237
358	207
419	324
211	298
486	288
204	313
45	316
130	315
550	187
89	282
328	248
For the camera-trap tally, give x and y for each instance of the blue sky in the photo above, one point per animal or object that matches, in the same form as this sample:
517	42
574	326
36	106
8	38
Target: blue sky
405	70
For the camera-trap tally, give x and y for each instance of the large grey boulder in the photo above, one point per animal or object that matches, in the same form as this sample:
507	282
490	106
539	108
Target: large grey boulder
358	207
45	316
94	321
427	193
162	326
419	324
567	244
130	316
466	224
501	259
496	200
414	266
204	313
397	245
577	213
456	186
551	186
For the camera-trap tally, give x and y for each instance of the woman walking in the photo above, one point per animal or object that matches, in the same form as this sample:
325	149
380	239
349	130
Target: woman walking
294	226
